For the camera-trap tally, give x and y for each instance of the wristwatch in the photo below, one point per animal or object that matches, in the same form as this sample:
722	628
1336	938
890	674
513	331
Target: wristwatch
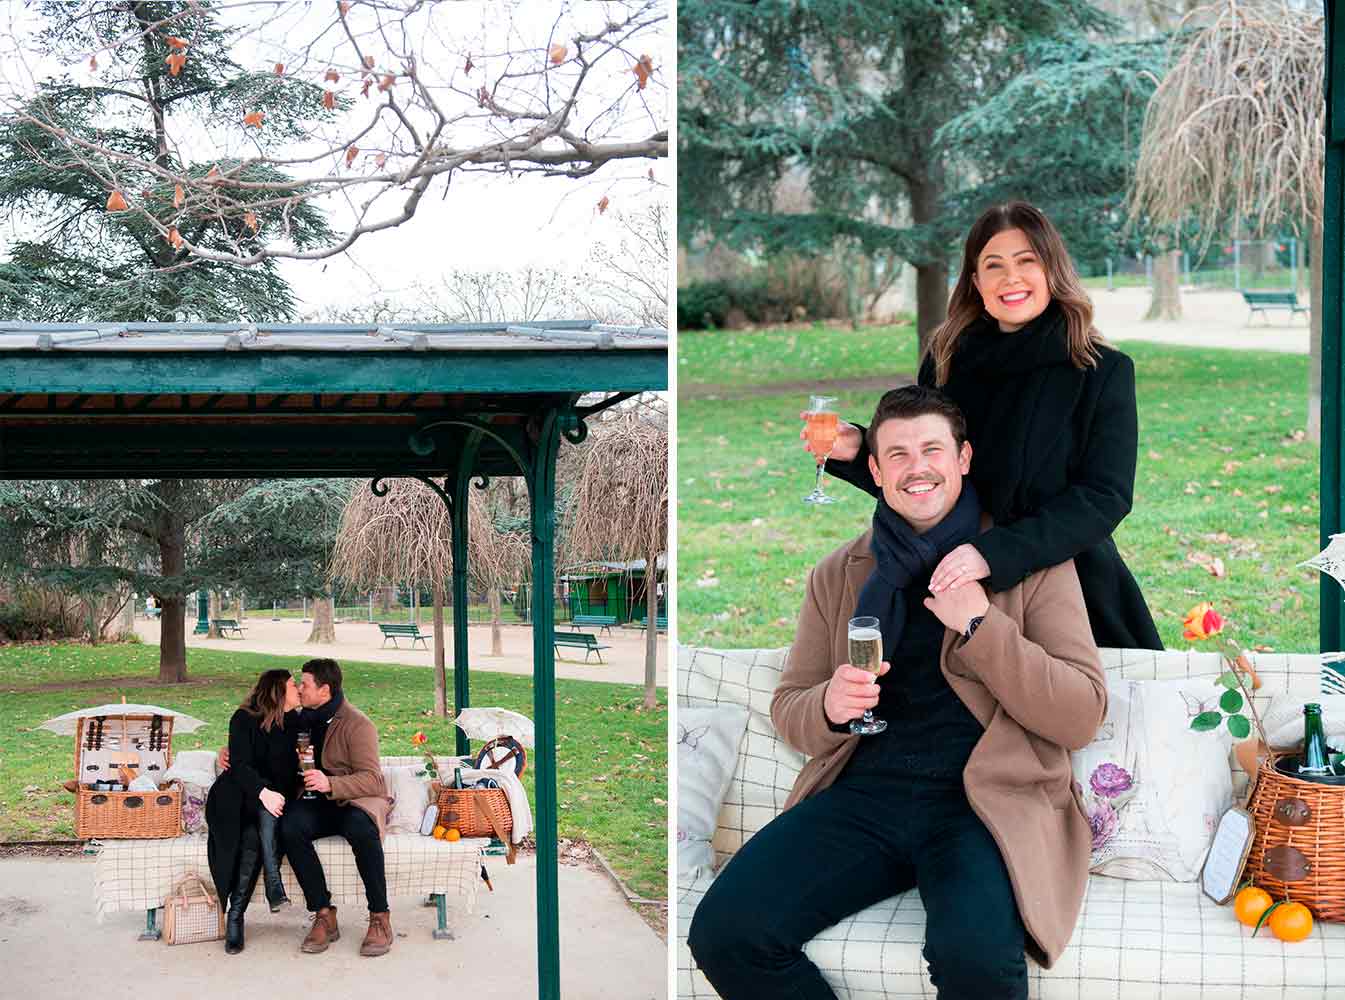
972	626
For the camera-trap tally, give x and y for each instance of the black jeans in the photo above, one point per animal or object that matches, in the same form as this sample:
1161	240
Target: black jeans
308	819
854	844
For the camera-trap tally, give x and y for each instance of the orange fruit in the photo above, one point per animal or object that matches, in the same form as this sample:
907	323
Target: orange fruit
1291	922
453	834
440	832
1249	904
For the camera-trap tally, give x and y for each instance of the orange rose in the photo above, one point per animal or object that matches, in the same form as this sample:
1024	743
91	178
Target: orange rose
1202	622
420	739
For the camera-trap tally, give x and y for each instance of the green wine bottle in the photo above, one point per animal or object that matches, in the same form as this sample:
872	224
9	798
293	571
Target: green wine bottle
1316	759
457	771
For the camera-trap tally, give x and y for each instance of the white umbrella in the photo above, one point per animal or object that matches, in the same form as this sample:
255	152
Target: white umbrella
64	725
487	723
1331	560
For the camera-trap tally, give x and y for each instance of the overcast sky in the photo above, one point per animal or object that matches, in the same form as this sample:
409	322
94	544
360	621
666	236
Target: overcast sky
479	222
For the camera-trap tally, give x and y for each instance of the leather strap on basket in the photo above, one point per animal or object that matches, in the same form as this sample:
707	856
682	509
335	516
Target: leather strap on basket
489	817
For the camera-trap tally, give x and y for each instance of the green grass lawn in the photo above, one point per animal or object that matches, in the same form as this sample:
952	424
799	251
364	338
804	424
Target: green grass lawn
1221	475
612	756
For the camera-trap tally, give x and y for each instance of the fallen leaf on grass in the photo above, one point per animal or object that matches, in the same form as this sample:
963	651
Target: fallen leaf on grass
1274	488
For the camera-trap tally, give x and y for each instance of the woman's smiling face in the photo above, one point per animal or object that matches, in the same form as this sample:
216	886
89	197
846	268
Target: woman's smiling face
1011	280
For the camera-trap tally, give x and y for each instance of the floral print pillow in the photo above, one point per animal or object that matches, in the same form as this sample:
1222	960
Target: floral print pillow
1153	789
193	809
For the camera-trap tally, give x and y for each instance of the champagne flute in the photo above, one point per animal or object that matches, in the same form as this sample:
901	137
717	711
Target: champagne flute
866	653
307	760
822	428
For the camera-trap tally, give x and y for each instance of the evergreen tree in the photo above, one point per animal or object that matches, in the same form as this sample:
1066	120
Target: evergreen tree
73	150
858	95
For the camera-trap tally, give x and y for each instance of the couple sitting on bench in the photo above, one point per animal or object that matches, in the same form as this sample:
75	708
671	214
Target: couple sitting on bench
255	812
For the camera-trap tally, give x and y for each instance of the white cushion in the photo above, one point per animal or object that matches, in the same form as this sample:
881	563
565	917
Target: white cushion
410	795
1153	788
707	750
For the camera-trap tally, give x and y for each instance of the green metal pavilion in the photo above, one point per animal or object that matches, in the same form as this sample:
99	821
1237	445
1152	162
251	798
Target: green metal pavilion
449	405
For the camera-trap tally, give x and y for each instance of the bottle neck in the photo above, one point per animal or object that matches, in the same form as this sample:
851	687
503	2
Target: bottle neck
1315	759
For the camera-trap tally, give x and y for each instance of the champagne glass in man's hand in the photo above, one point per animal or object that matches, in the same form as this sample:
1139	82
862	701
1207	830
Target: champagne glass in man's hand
852	691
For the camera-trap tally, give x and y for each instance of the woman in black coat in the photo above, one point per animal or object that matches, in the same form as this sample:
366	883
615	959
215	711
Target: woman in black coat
246	802
1050	411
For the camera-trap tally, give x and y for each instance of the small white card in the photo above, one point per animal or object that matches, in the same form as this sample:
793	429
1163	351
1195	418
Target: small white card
1227	856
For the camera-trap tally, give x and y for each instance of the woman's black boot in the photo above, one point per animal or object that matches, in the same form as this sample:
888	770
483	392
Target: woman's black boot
249	868
268	829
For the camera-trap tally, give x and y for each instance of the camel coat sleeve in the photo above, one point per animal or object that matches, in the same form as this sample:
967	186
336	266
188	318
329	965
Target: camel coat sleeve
1045	674
797	705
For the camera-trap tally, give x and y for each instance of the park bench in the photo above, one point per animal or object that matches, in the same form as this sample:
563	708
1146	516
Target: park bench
603	622
579	640
225	625
153	612
660	623
136	875
1261	302
412	632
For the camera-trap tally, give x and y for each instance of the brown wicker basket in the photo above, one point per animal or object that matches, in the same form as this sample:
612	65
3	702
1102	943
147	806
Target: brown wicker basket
475	812
1298	851
126	815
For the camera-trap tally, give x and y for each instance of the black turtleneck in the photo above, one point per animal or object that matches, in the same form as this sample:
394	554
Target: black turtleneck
930	732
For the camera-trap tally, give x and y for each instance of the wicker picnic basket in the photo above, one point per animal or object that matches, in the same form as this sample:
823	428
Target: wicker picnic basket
126	815
475	812
1298	850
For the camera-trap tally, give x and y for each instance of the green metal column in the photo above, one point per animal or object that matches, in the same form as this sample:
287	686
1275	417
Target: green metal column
542	494
202	613
1332	629
459	510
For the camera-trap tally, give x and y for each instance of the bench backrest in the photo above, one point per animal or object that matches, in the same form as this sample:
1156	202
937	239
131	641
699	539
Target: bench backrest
1270	298
575	638
767	766
408	629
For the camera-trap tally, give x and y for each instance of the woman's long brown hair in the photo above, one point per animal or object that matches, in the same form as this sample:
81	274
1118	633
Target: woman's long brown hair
1062	281
267	699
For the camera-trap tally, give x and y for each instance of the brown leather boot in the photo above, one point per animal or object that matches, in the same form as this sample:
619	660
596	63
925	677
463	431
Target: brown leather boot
378	941
323	932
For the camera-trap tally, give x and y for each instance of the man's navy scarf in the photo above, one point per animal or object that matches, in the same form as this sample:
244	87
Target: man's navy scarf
904	557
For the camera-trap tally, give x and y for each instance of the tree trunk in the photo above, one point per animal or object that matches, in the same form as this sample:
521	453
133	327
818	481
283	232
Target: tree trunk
242	613
496	633
440	675
324	628
651	630
1314	425
931	278
385	599
173	617
1166	303
214	607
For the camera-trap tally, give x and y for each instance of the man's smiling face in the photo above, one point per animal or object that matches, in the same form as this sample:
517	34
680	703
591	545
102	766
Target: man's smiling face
920	468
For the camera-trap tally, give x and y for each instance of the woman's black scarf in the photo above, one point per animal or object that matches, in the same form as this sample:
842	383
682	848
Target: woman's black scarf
904	557
1019	388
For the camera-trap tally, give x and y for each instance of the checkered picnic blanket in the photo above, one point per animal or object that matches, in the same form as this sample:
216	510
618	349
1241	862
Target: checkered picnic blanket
138	874
1134	940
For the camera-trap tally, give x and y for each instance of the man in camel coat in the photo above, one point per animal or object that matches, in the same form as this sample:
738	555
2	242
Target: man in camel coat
967	795
352	803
